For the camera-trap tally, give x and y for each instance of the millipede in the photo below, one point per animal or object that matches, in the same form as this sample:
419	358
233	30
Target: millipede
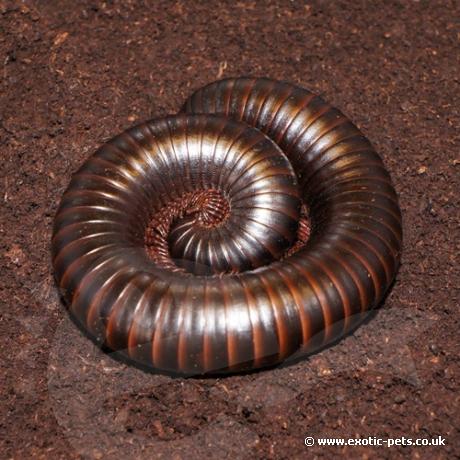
257	225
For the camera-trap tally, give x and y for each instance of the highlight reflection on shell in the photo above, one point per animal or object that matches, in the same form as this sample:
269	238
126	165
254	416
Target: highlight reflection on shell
257	224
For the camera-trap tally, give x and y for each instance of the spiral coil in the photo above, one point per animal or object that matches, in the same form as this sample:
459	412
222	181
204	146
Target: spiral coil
257	225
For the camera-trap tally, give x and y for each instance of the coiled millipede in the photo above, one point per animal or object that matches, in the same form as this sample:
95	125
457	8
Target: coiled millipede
257	225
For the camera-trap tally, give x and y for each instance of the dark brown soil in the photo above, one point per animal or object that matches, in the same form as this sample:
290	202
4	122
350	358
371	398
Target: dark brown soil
74	74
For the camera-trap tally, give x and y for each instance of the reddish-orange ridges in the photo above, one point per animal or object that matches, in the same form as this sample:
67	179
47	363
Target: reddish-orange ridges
257	225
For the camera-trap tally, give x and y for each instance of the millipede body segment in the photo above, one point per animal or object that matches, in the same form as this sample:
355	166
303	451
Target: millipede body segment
256	225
